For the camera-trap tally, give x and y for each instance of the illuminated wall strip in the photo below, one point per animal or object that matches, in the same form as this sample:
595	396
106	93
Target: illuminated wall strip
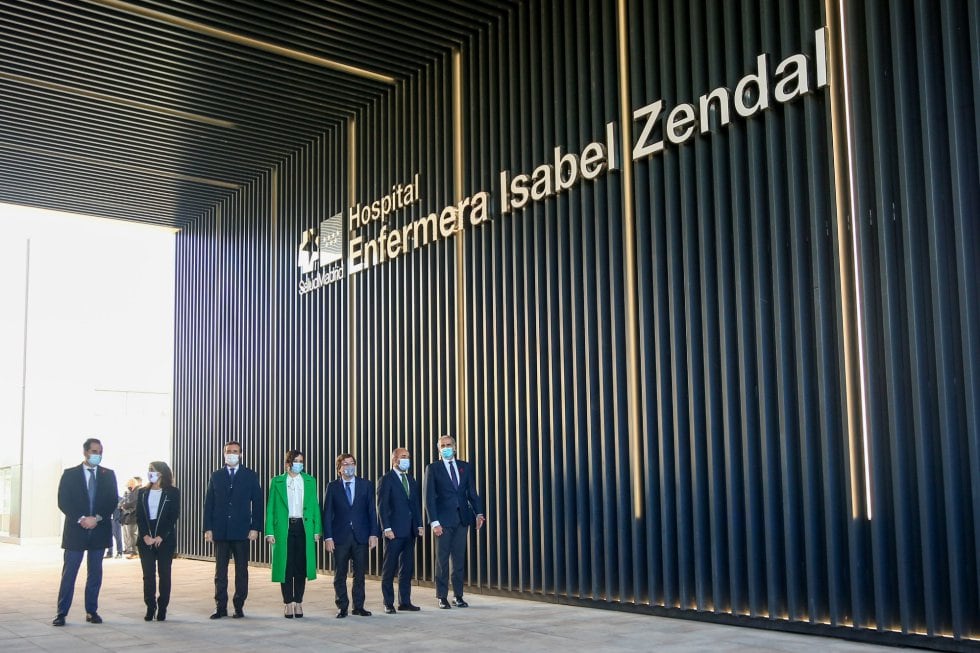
462	378
354	393
856	265
634	406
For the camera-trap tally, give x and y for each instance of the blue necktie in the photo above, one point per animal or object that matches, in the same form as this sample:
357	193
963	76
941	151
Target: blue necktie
452	473
91	492
350	496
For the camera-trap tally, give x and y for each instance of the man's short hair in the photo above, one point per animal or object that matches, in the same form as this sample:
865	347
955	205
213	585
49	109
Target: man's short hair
342	457
235	442
88	444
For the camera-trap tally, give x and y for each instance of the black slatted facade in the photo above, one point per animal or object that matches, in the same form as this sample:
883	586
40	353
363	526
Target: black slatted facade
730	486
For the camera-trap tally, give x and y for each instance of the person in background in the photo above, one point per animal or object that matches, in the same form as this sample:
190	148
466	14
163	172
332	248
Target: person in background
87	495
350	529
292	527
127	509
157	512
400	511
232	520
116	532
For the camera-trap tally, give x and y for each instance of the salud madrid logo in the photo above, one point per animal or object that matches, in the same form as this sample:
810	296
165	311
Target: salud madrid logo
320	248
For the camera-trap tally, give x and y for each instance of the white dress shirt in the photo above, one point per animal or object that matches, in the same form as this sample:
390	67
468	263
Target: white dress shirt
294	495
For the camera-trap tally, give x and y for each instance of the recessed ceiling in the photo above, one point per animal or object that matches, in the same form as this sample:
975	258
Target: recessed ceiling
154	110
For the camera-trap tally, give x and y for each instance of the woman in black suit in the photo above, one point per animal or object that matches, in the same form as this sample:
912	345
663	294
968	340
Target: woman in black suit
157	511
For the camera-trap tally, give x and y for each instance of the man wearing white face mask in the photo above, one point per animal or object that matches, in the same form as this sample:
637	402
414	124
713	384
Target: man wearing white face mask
400	511
350	529
87	495
232	520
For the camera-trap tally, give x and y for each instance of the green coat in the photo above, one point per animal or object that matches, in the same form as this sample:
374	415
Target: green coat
277	524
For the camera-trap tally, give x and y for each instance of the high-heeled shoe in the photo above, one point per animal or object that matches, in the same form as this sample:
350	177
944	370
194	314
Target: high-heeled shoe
288	610
150	611
162	614
298	610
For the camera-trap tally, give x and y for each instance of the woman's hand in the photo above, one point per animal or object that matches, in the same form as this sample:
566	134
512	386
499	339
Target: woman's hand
147	540
271	539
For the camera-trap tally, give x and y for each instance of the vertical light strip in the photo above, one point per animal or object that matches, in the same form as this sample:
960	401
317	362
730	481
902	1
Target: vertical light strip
462	381
629	264
274	285
856	262
351	303
854	375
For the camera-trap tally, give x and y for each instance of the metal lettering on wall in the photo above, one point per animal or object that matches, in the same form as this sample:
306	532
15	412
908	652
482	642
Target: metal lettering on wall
753	93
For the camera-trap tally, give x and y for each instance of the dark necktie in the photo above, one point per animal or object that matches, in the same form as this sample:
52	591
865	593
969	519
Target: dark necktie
405	483
231	475
350	495
91	492
452	474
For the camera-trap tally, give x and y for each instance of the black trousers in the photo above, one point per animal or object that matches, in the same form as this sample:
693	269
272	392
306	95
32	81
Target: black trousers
400	557
452	543
344	555
295	584
224	550
156	561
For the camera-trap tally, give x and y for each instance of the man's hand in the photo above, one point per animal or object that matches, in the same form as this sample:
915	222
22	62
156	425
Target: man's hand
271	539
208	535
421	531
437	530
390	534
328	545
253	535
372	541
88	523
480	520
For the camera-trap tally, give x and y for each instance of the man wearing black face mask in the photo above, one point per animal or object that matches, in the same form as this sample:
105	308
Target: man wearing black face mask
233	517
87	495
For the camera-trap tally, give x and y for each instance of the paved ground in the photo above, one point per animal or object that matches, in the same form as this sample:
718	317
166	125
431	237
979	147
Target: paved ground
29	586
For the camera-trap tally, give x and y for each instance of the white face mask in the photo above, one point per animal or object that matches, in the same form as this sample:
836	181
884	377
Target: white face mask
153	476
348	471
231	459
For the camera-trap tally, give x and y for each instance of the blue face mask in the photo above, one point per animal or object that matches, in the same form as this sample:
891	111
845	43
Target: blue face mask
297	468
447	452
404	464
94	459
349	470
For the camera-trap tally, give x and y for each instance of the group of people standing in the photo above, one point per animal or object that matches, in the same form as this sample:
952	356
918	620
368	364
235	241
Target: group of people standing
349	522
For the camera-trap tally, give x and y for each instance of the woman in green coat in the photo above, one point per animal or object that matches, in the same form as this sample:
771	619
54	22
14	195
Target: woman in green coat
293	527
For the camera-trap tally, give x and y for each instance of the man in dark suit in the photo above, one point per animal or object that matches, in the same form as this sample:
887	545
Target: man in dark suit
350	528
400	510
233	517
87	495
452	505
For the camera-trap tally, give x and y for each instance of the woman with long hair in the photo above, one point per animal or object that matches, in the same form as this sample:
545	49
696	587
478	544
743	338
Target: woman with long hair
157	512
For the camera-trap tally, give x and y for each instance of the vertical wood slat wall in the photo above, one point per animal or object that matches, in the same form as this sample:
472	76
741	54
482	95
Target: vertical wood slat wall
745	513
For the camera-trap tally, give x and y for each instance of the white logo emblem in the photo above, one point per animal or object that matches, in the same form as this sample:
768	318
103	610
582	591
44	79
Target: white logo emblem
321	247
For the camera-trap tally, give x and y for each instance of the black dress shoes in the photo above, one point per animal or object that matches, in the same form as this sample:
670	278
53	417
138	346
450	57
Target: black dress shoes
444	604
389	609
460	603
219	613
162	614
59	620
341	613
238	614
149	614
361	612
408	607
93	618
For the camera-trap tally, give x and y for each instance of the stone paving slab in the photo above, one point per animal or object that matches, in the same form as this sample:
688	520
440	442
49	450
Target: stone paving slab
30	586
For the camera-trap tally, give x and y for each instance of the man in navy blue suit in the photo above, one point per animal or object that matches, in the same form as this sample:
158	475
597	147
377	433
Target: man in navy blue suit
452	505
233	519
350	528
87	495
400	510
